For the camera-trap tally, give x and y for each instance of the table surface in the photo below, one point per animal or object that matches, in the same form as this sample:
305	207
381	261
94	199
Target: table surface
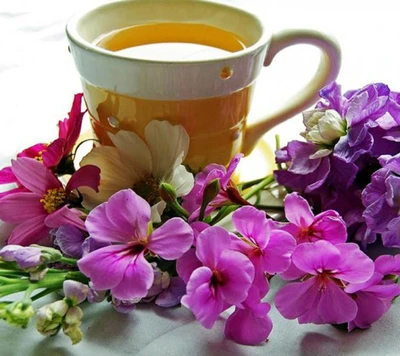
37	81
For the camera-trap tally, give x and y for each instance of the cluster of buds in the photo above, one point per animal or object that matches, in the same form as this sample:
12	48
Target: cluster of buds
64	314
17	313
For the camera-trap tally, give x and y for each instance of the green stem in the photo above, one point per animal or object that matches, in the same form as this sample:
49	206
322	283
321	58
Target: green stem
6	280
263	184
9	272
28	292
183	213
44	293
249	184
70	261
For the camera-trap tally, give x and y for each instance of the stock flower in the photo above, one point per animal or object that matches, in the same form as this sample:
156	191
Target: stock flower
17	313
142	165
250	324
382	201
70	239
124	222
45	204
305	227
223	279
227	190
268	248
320	297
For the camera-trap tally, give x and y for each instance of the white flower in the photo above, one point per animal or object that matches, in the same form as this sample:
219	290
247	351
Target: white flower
323	128
141	165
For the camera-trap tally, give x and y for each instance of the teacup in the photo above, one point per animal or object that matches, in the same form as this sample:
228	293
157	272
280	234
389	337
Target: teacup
202	77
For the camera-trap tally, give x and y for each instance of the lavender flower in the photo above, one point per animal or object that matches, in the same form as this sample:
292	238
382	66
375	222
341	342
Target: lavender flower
70	239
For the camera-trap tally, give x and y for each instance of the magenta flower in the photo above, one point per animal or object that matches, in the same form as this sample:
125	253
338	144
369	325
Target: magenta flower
373	298
192	201
268	248
305	227
223	279
320	297
68	133
250	323
45	204
124	222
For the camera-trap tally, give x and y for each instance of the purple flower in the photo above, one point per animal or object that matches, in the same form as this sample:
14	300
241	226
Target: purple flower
70	239
382	201
305	227
223	279
95	296
269	249
75	292
45	205
124	306
173	294
250	324
192	201
26	257
326	269
374	297
124	221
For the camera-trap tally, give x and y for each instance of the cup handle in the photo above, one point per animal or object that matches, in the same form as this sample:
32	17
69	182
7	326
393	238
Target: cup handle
327	71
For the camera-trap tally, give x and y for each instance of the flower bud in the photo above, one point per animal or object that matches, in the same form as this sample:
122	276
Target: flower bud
209	194
75	292
72	323
323	127
167	193
95	296
18	314
124	306
50	317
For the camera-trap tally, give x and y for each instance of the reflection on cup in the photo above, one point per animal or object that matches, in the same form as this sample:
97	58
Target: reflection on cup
192	63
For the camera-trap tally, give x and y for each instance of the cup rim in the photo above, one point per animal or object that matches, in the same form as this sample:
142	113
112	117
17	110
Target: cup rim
75	38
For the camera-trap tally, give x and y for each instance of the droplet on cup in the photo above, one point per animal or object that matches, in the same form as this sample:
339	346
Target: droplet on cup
226	73
113	122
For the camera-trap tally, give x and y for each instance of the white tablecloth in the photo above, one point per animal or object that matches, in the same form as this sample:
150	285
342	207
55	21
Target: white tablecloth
37	81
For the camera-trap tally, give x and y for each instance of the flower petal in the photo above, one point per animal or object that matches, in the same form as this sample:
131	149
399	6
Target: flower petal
387	264
329	226
172	295
252	224
335	306
7	176
295	299
110	272
31	231
133	151
166	143
136	281
355	265
201	299
237	273
34	176
53	154
181	180
171	240
157	210
276	256
65	216
124	218
210	243
114	175
18	207
187	264
298	211
314	257
246	328
86	176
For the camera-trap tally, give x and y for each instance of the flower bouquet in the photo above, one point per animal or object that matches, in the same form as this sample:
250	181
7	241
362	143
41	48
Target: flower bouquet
130	224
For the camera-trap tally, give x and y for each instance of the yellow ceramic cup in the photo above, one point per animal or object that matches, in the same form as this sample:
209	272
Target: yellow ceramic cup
210	97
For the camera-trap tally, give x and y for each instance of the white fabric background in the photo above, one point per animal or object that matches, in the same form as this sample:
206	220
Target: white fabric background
37	81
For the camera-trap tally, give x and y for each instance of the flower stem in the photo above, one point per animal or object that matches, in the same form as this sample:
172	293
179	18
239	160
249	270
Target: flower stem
263	184
69	261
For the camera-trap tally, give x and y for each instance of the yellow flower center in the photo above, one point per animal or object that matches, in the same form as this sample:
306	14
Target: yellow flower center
39	157
53	199
148	189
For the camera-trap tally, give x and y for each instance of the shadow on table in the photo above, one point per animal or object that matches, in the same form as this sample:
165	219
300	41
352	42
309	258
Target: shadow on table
315	344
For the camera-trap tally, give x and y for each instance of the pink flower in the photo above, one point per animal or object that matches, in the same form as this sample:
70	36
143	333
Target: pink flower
68	133
305	227
228	191
268	248
320	297
44	204
250	323
124	221
222	280
50	154
374	297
